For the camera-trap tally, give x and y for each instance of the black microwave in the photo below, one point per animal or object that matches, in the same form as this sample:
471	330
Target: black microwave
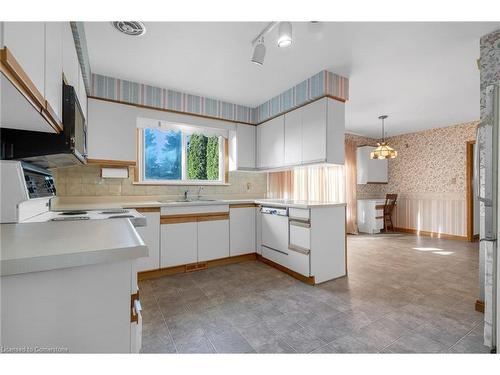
49	150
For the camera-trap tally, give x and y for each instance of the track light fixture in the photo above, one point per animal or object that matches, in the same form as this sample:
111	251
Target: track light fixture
259	52
285	34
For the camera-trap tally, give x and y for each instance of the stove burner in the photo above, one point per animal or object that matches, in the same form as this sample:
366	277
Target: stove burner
69	213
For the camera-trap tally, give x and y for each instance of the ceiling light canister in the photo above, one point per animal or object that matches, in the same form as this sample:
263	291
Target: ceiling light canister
259	52
285	34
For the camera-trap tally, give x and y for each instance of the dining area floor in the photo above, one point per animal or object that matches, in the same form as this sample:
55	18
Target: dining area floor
403	294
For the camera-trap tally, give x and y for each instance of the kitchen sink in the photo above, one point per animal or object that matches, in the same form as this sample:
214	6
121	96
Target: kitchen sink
189	200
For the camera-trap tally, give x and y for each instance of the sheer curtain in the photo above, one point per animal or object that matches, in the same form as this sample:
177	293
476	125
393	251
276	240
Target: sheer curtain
333	183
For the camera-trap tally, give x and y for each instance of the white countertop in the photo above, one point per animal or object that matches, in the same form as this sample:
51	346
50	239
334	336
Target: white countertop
33	247
203	202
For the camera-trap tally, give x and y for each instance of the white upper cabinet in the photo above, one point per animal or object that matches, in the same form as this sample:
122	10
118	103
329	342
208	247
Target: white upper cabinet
370	170
293	137
272	143
53	67
311	134
244	150
70	57
26	42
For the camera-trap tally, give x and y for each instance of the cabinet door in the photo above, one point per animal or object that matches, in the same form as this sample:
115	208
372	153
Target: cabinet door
272	143
241	230
70	58
245	146
293	137
26	41
213	239
370	170
179	244
53	66
314	132
150	234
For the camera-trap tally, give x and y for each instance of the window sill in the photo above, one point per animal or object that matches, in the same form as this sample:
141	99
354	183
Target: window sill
181	183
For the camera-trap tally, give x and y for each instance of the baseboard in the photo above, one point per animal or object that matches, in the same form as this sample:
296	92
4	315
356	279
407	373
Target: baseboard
431	234
480	306
153	274
308	280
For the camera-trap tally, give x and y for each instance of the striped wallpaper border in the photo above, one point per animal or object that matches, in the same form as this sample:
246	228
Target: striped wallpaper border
319	85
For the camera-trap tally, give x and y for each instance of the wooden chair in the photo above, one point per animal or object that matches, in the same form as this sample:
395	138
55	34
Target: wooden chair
390	202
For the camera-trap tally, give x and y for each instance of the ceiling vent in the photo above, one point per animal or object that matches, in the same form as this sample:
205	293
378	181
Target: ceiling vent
133	28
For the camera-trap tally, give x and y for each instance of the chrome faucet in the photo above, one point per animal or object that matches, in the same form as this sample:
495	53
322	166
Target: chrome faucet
186	195
200	189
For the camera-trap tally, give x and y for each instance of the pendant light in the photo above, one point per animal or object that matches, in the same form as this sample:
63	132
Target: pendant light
383	151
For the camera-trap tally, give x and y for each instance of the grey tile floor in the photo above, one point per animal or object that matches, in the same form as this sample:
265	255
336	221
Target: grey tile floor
403	294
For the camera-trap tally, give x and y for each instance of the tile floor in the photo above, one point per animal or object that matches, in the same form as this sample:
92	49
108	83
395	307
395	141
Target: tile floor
404	294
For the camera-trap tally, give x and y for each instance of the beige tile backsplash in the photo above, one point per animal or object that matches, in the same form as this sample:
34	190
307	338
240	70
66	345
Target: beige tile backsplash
87	181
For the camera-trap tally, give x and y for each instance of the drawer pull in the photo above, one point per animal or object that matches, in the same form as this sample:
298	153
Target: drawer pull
299	249
278	251
300	223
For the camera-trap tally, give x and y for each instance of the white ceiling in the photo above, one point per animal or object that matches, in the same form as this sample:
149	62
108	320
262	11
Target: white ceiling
423	75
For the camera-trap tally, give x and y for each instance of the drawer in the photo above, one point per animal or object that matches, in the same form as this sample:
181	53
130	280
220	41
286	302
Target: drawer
275	255
379	223
300	235
299	213
299	262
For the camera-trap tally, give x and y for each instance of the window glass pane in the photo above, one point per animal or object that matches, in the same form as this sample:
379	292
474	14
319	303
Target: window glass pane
202	157
162	155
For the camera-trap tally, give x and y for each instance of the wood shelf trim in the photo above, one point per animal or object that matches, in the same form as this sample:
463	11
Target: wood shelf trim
112	163
190	218
147	209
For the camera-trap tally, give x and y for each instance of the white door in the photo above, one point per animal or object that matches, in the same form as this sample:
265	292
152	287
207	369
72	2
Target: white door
179	244
53	66
26	42
245	146
314	131
150	234
272	143
293	137
70	58
213	240
241	230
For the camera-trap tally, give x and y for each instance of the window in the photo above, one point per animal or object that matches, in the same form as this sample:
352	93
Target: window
181	155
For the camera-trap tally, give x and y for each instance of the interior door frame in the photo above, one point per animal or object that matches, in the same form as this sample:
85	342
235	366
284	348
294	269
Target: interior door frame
469	181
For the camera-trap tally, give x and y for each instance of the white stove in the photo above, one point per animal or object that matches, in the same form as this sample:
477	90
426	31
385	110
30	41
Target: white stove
26	192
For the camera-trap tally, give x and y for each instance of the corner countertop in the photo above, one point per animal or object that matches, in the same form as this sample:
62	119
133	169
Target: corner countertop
89	204
34	247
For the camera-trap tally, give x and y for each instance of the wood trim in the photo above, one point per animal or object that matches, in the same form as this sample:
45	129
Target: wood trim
379	206
153	274
147	209
243	205
190	218
212	117
479	306
469	190
213	217
430	234
308	280
112	163
167	110
14	72
133	298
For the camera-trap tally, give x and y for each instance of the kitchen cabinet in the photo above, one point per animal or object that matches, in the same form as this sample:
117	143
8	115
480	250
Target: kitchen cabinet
370	170
314	124
293	137
272	143
54	67
179	244
244	153
370	219
150	234
242	235
70	57
26	42
213	239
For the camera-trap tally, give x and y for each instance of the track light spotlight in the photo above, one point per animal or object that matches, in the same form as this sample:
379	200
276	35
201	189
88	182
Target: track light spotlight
285	34
259	52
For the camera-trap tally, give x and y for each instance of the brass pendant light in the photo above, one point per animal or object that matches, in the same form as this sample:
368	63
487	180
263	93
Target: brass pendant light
383	151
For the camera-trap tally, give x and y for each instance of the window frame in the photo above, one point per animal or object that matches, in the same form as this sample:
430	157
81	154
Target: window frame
140	166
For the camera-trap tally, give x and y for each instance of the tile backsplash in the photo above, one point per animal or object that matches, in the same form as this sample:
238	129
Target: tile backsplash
86	180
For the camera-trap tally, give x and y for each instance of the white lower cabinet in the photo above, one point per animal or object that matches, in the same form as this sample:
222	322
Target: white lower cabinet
213	239
241	230
150	234
179	244
299	262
